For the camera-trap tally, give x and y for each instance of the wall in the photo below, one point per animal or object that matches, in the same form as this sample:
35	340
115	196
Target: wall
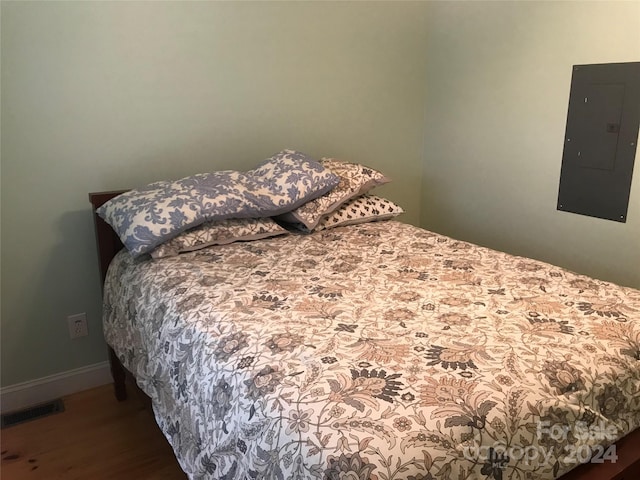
498	88
105	95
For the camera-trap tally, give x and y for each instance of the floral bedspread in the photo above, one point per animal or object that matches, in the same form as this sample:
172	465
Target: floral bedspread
377	351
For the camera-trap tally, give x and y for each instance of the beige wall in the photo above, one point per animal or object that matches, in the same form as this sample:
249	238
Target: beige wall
104	95
498	87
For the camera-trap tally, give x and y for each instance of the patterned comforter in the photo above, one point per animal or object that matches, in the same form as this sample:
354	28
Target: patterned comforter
376	351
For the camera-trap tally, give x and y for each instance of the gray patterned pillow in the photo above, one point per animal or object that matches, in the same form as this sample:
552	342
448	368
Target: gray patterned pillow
355	180
146	217
366	208
219	233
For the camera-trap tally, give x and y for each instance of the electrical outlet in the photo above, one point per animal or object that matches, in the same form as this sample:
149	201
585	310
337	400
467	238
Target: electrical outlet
78	325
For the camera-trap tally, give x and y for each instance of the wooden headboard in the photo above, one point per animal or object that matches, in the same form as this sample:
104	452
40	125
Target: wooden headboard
108	242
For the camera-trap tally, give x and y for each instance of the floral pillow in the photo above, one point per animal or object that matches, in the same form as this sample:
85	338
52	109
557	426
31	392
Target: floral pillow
219	233
366	208
146	217
355	179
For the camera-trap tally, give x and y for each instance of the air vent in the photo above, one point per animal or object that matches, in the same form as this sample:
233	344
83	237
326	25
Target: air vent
32	413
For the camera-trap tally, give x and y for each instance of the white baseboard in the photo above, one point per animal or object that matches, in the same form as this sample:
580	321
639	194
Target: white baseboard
22	395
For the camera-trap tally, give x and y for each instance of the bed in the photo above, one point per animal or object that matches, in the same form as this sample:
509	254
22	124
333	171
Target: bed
376	351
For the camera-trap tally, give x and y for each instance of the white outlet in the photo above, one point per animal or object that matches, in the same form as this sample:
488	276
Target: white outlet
78	325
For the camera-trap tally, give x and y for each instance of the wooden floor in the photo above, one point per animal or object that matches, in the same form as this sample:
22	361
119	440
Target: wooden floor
96	437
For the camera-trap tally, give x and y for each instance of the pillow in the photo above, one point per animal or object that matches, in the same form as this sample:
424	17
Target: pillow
284	182
355	179
146	217
219	233
366	208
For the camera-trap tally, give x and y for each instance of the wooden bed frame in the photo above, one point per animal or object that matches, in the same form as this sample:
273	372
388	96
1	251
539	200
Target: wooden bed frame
627	466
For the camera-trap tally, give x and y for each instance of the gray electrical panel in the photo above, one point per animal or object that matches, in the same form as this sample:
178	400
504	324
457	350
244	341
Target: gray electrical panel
600	140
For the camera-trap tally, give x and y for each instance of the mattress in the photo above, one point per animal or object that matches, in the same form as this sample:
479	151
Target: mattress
379	351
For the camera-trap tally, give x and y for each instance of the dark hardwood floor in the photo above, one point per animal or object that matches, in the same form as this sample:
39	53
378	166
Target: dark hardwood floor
96	437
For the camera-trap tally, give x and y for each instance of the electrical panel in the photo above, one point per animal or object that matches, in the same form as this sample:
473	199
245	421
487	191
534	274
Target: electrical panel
600	140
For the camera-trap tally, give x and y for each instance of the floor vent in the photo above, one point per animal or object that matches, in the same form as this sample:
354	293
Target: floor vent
32	413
